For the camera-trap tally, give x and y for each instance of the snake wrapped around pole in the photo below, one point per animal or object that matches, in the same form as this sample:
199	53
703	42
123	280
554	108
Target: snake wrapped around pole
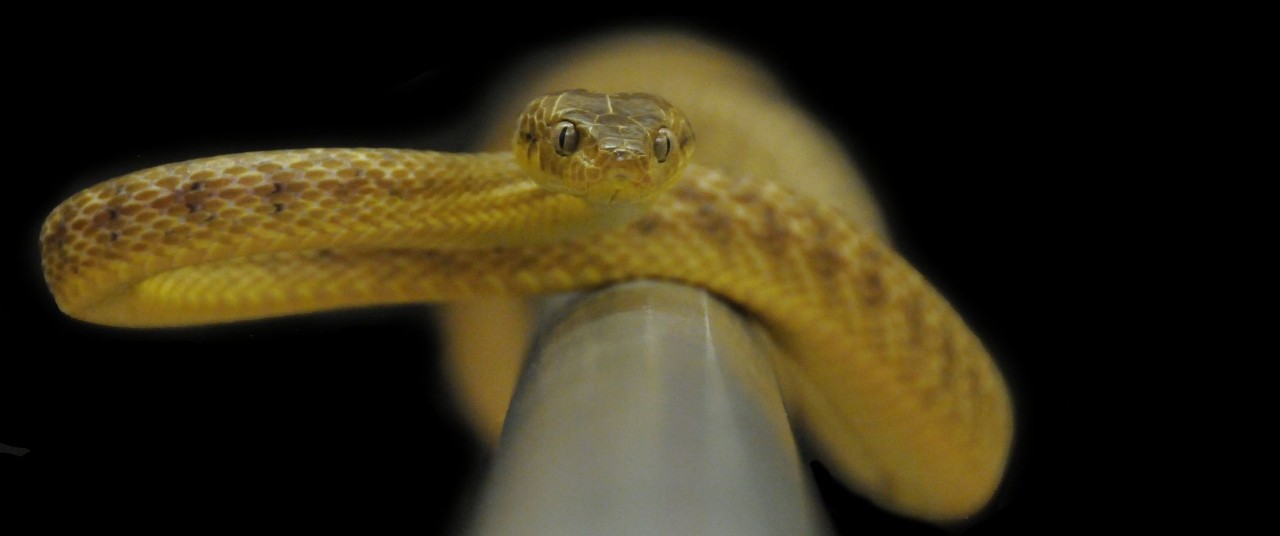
900	397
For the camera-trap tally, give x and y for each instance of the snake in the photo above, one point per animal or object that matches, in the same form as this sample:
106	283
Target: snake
899	397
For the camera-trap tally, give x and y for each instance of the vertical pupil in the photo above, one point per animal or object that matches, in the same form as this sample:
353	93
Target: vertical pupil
566	138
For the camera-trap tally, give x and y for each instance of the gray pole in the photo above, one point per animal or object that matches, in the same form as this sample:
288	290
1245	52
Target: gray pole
648	408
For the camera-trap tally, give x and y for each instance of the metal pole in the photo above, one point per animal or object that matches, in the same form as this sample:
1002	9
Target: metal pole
647	408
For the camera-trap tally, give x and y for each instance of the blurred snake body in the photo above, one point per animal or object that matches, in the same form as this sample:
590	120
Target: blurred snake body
900	397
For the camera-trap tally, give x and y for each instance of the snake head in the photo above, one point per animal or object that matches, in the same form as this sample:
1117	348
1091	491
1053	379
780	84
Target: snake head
605	148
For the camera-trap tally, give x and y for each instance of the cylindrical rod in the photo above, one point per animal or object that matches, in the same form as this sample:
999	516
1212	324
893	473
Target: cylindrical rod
648	408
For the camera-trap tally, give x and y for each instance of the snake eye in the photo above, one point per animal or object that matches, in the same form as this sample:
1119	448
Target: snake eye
662	144
566	138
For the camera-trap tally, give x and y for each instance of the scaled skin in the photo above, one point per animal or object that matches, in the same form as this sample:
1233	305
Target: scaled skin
899	396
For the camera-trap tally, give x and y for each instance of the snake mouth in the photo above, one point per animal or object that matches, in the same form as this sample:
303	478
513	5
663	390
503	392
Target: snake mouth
627	168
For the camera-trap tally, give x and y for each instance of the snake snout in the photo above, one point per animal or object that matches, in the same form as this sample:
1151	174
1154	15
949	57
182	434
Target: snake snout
627	166
621	162
624	154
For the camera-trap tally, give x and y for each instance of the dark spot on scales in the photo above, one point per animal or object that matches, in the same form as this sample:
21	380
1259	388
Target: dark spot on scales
647	225
775	232
712	221
821	227
947	354
826	263
914	316
871	288
746	197
59	234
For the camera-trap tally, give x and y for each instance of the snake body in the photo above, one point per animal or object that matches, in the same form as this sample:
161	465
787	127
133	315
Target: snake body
898	394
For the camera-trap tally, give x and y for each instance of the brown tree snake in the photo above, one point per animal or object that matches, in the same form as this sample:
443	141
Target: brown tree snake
901	398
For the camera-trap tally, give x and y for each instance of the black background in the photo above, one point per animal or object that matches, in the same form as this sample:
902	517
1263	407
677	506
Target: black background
969	129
